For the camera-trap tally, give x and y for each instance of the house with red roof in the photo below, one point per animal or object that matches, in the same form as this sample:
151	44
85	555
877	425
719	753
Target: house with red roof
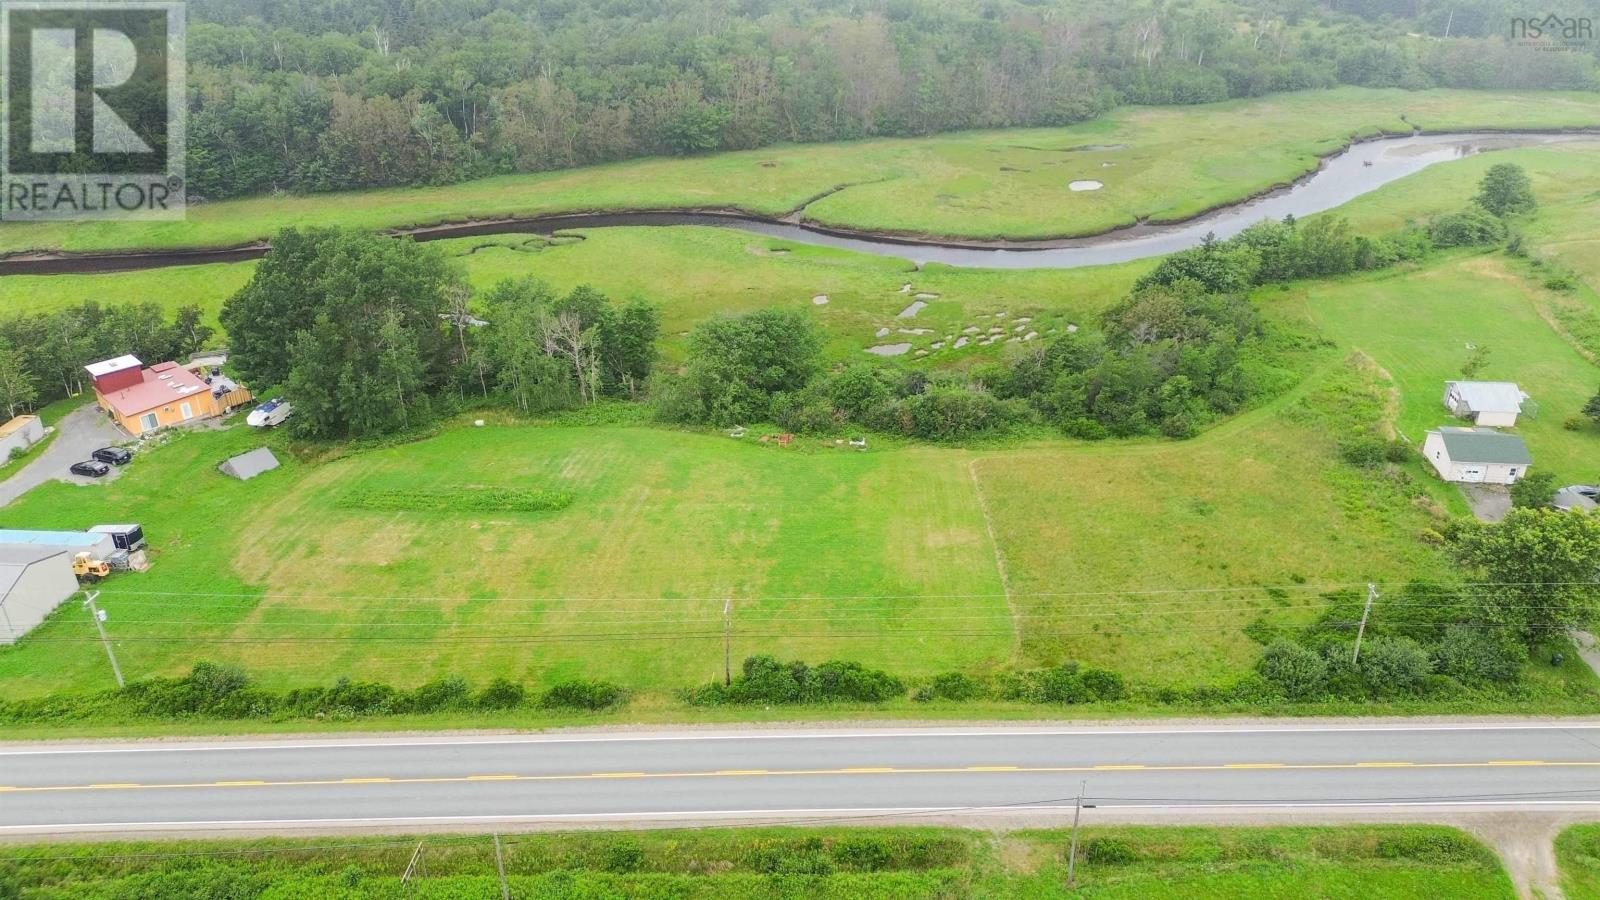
143	398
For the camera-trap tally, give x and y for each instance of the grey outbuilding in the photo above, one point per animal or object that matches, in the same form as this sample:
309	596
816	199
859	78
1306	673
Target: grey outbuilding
33	582
246	466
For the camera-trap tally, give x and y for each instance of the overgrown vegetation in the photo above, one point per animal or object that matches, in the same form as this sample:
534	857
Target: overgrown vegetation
213	691
1389	861
1169	359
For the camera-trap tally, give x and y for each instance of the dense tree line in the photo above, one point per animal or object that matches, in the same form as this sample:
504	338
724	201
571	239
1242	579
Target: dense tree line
42	355
368	335
322	95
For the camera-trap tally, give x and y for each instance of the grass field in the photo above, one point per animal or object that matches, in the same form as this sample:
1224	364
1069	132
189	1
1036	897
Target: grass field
1348	863
1167	163
1417	325
888	557
1578	853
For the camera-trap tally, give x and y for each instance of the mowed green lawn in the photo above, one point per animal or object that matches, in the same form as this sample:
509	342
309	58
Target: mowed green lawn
887	557
1417	324
1165	163
1152	558
826	552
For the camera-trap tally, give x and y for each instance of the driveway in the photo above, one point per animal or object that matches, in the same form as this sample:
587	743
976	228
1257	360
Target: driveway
1489	502
78	434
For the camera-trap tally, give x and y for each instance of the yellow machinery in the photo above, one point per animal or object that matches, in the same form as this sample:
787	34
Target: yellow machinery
88	569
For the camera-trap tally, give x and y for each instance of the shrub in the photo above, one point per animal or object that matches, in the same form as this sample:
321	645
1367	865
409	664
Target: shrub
1479	656
764	679
214	681
1364	452
1573	423
1297	671
950	686
448	692
501	693
1109	852
1560	281
1104	685
1394	665
1470	227
581	693
1534	489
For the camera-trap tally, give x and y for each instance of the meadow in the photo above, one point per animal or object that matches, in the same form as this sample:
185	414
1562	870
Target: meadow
1168	562
1391	861
913	558
1157	164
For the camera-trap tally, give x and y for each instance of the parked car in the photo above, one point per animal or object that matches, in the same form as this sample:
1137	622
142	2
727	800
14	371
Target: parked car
116	456
91	468
270	413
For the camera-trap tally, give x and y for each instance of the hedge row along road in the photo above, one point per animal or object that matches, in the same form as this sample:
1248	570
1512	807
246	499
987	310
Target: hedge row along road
1158	770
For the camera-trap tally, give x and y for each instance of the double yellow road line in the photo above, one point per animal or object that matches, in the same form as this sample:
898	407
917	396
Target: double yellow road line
790	773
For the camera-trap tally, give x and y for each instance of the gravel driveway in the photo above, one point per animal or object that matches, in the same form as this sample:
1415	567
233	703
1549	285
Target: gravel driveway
78	434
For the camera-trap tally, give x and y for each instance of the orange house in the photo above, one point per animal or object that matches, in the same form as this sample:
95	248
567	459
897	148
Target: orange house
144	399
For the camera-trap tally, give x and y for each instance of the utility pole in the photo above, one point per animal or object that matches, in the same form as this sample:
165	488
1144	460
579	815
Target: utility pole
99	618
500	867
727	642
1372	594
1072	854
411	869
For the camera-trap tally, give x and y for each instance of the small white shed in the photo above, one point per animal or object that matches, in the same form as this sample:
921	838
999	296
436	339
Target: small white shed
33	582
1477	455
1491	403
19	434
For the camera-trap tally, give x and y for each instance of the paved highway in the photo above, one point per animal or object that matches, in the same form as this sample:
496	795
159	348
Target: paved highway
376	782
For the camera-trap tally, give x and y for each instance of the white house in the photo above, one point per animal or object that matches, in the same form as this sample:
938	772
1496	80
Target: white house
1493	403
33	582
1477	455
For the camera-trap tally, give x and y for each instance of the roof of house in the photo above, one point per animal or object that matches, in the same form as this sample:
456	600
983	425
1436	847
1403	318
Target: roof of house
27	556
249	465
1484	445
163	383
107	366
1489	396
12	536
17	424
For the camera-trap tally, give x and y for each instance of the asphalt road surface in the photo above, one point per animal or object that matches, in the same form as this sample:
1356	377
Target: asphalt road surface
804	775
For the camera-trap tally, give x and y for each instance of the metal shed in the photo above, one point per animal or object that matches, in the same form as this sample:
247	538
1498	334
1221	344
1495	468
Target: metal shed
33	582
246	466
69	542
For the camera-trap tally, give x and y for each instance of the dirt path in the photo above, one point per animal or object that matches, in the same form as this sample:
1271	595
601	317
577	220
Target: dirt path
999	561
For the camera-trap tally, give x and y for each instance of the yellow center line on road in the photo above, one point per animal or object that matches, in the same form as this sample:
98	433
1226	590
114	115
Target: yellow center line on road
773	773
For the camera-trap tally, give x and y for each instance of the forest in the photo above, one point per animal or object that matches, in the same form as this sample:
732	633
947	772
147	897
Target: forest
324	95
